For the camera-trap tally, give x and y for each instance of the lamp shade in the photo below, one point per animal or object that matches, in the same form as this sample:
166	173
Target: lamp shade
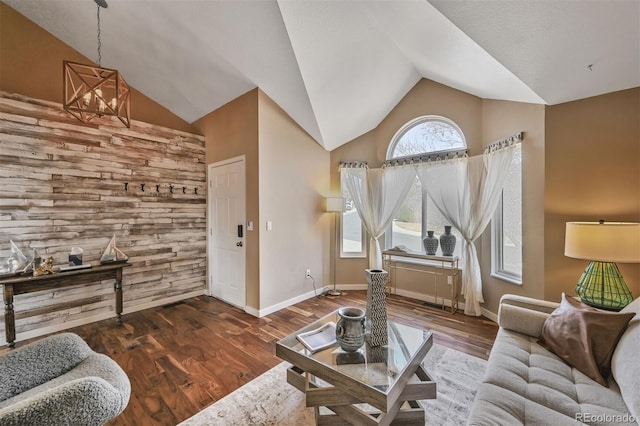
604	241
335	204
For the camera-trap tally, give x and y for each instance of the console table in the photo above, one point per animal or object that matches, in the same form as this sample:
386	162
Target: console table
444	271
28	284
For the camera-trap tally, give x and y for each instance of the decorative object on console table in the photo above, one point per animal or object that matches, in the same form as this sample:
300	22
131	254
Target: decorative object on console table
430	243
603	244
447	242
43	266
75	256
16	263
376	317
335	205
350	330
112	253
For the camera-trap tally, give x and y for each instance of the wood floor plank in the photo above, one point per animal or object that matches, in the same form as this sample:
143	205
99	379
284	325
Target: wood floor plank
184	356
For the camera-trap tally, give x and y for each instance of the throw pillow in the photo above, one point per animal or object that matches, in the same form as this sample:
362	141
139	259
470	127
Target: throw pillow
584	337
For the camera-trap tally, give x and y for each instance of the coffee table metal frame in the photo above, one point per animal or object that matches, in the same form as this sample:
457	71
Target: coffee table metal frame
397	402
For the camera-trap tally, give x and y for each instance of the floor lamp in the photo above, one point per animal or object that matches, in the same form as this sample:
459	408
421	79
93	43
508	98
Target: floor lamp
335	205
603	244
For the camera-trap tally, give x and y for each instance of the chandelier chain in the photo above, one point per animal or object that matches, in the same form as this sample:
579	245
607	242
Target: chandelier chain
99	41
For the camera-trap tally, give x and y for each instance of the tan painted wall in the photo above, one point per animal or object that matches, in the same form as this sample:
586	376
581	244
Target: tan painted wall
425	98
592	167
31	65
231	131
500	119
294	180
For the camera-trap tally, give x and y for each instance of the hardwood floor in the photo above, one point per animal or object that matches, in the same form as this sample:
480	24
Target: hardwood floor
182	357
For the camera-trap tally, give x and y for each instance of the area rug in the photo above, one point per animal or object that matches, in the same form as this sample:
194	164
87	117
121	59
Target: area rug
269	400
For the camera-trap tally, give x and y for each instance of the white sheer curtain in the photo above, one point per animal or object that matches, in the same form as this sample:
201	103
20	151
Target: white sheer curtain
467	191
377	195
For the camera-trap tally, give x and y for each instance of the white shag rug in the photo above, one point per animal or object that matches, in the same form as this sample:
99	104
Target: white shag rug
269	400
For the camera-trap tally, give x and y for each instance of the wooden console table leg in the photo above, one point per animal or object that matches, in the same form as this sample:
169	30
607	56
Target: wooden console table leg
118	290
9	316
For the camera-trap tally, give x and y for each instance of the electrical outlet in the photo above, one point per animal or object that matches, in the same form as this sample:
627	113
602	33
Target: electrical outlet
307	273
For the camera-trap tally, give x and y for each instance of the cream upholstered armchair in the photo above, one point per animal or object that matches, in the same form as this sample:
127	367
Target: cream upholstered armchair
59	380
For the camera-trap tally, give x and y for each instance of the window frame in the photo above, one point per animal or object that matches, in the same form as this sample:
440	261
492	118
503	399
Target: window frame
413	123
388	234
364	244
497	244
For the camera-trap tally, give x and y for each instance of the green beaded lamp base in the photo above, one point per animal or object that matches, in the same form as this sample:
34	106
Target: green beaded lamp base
602	286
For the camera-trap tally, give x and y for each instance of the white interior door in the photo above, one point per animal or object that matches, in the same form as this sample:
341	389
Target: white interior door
227	233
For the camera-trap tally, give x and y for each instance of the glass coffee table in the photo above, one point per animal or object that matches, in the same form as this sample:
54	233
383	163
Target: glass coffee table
373	386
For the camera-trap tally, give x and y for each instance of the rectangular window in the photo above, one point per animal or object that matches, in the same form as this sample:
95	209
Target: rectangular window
352	233
506	226
417	215
406	228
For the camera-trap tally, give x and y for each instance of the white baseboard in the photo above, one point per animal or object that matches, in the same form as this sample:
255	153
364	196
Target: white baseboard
37	332
274	308
488	314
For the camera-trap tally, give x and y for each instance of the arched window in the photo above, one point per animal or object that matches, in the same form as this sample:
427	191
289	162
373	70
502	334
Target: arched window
421	136
426	135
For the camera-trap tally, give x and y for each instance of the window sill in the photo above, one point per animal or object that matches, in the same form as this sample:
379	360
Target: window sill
507	278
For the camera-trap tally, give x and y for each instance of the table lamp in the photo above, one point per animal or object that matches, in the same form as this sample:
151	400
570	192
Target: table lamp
335	205
603	244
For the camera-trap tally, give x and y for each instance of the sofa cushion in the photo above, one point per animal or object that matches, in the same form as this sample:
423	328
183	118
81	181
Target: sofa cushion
625	365
527	384
584	337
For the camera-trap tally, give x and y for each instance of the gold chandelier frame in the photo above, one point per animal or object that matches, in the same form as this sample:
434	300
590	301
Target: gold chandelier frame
93	91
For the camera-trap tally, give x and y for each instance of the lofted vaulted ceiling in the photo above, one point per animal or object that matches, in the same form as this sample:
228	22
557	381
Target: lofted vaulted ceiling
338	67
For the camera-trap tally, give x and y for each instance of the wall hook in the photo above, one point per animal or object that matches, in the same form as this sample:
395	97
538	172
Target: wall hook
196	190
142	187
171	189
184	189
126	186
157	188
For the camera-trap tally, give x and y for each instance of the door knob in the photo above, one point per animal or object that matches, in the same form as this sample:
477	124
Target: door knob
239	244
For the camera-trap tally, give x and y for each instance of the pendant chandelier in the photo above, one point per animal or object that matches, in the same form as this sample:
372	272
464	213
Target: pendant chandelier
91	91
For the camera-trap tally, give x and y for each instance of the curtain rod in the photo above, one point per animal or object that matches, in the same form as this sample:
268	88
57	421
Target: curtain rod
436	156
503	143
353	165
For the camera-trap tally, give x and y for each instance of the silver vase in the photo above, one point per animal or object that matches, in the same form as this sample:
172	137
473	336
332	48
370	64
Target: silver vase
376	318
350	329
447	242
430	243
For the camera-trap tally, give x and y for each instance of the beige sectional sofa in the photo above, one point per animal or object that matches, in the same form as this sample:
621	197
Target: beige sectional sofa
527	384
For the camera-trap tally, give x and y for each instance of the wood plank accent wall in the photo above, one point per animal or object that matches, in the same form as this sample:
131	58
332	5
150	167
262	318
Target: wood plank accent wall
62	184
